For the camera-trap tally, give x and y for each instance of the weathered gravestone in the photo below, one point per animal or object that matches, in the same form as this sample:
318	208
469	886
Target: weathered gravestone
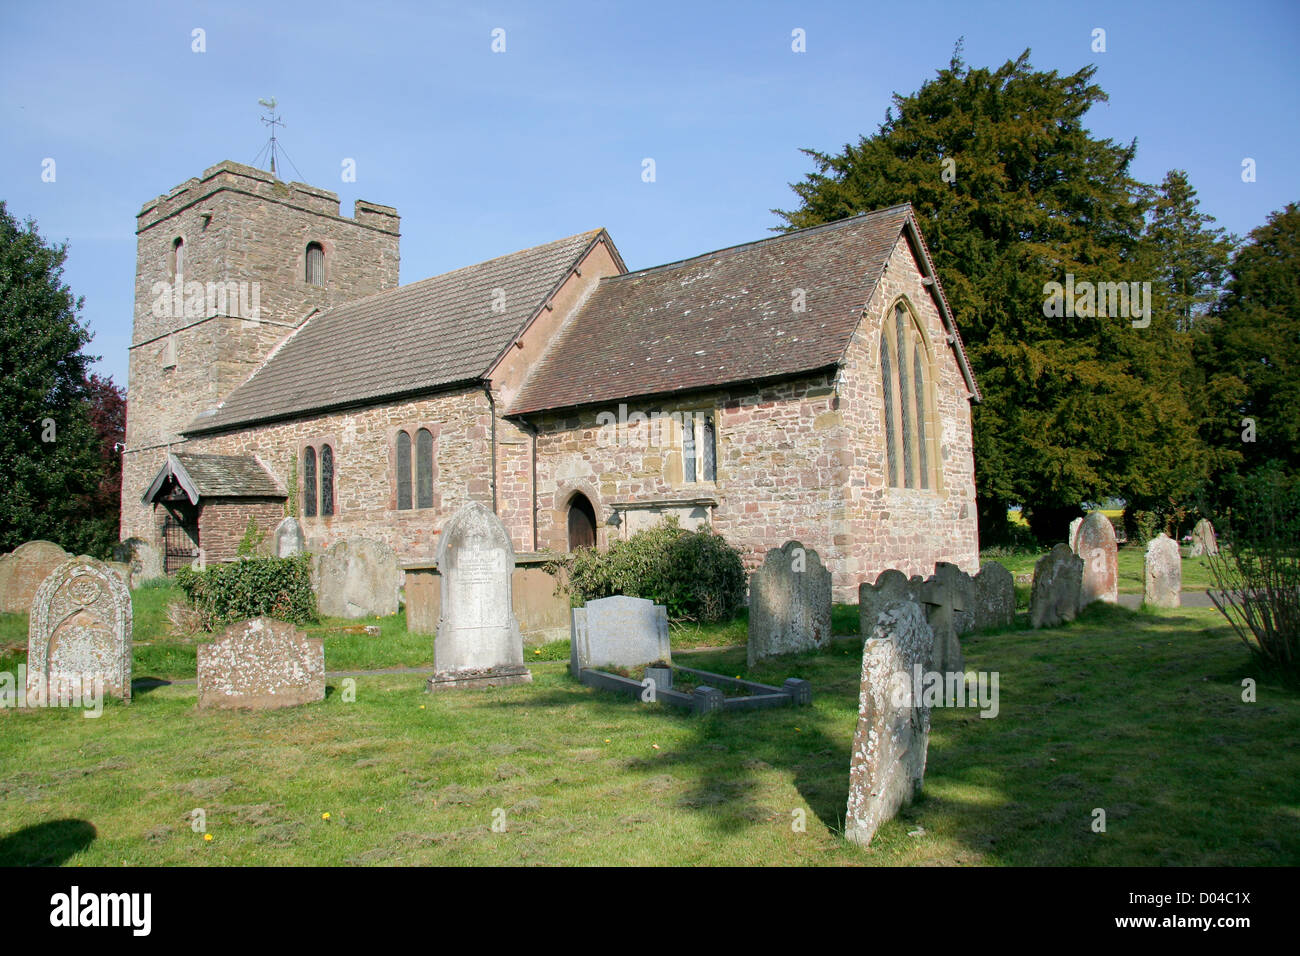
949	597
1099	550
887	764
1058	577
23	570
146	561
261	664
891	585
357	578
1204	541
479	643
995	597
79	632
1162	572
619	631
122	570
1074	534
789	603
288	538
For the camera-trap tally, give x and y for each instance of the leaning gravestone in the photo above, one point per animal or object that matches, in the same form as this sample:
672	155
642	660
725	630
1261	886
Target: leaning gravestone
1074	534
261	664
891	585
288	538
23	570
146	561
80	632
1204	541
995	597
949	596
479	643
619	631
357	578
1099	550
789	603
1058	577
1162	573
887	765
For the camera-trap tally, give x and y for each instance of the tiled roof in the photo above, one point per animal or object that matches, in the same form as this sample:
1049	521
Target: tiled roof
216	476
727	316
428	334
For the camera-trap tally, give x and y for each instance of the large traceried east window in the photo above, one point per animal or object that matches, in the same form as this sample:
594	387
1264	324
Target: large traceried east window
906	392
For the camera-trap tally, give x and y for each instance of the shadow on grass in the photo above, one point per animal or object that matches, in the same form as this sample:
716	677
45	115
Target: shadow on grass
46	844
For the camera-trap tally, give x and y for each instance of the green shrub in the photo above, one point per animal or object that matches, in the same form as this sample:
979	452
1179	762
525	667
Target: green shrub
1146	525
252	587
695	574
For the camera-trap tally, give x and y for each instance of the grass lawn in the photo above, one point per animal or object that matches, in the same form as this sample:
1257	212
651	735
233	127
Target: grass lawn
1196	571
1136	713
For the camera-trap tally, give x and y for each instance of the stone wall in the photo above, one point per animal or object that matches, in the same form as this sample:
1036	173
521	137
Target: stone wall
223	521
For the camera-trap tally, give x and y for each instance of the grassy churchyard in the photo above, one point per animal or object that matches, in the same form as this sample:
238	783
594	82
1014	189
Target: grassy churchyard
1138	713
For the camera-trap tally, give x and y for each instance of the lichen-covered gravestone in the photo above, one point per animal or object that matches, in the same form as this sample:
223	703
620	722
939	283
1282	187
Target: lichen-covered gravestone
891	585
1058	577
1074	534
261	664
357	577
288	538
23	570
1162	572
619	631
80	632
949	597
995	597
887	764
1099	550
1204	541
479	643
789	603
146	560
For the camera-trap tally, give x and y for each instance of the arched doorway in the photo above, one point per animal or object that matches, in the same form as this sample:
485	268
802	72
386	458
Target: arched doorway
582	523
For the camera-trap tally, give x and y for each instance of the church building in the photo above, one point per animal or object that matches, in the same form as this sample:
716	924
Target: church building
809	385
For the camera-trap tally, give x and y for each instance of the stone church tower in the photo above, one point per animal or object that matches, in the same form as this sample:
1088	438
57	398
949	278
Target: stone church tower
228	265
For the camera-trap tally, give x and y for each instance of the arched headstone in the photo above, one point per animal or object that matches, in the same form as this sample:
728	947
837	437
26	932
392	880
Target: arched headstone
789	603
1162	572
23	570
1099	550
80	632
1058	577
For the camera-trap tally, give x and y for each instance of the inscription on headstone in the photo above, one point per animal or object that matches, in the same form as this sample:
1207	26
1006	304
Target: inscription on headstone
80	632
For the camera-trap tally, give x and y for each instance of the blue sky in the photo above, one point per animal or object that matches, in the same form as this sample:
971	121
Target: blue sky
484	153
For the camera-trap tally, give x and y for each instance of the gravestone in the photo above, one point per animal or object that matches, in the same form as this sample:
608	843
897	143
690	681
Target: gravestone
789	603
1204	541
261	664
1058	578
887	764
995	597
949	597
891	585
146	560
619	631
479	643
357	577
80	632
1074	534
288	538
122	570
1099	550
23	570
1162	572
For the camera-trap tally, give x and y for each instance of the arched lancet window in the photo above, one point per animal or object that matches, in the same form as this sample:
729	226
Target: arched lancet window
918	385
891	436
309	482
710	440
178	257
905	385
424	468
315	263
326	481
403	471
582	523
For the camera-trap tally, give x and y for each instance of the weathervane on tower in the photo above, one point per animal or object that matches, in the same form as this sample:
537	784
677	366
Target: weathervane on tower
272	145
